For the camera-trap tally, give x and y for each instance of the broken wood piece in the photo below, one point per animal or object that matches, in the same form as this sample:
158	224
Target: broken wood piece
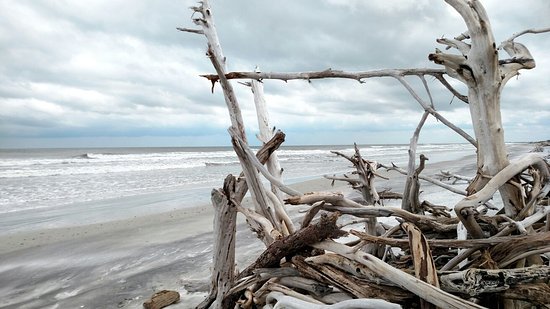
475	281
424	266
326	227
352	267
225	221
536	293
162	299
446	175
263	155
329	272
436	210
406	201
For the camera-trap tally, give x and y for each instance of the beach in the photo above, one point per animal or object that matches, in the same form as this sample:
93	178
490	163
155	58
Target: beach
120	262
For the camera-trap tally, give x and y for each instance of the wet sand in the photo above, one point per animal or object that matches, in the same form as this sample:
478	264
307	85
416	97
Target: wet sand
117	264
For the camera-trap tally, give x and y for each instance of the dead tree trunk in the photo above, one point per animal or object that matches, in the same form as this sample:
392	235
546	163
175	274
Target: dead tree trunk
225	221
479	68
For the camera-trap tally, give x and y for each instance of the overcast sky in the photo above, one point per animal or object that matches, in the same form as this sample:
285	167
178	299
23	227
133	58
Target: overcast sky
117	73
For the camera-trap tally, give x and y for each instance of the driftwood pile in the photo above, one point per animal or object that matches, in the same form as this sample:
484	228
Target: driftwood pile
423	262
468	255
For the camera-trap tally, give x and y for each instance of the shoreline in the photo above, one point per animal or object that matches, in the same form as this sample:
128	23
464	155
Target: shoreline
195	219
120	263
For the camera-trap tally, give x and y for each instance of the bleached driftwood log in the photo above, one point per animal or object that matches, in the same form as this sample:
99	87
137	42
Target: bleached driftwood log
283	301
215	54
226	201
264	204
225	221
423	290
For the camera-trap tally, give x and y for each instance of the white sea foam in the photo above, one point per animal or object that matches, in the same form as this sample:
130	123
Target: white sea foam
49	178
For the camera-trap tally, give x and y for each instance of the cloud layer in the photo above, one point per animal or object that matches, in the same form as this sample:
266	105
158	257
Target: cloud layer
111	73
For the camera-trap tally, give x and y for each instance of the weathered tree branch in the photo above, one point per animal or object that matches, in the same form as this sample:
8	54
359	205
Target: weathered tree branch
428	179
427	107
527	222
465	208
296	242
443	243
406	201
424	290
329	73
337	202
516	35
214	52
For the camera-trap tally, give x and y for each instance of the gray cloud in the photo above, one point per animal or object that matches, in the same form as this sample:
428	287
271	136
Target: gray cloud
111	68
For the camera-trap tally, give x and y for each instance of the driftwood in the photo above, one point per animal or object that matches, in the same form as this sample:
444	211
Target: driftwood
477	281
432	258
288	246
224	242
162	299
436	182
366	172
424	290
289	302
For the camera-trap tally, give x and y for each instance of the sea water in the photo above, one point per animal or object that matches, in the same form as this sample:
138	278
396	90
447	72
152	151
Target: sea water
56	187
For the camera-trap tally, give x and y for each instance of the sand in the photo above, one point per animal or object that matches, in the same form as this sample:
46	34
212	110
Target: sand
119	264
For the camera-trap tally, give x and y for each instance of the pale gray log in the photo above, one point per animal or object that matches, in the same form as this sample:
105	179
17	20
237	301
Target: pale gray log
422	289
288	302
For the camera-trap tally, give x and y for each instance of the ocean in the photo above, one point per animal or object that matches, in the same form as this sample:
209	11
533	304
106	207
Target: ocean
45	188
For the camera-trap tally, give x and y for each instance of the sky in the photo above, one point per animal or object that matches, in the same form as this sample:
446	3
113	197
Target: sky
115	73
